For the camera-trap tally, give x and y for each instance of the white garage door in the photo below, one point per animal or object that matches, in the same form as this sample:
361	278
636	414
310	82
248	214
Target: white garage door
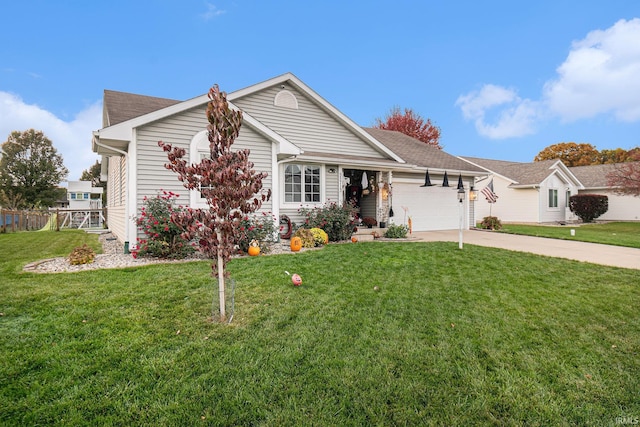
430	208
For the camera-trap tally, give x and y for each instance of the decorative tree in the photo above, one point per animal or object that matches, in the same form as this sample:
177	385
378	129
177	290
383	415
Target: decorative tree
410	123
227	180
31	169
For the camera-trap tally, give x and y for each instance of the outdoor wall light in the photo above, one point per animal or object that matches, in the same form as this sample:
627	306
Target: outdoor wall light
461	195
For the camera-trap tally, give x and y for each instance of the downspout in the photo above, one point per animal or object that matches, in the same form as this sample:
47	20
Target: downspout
126	205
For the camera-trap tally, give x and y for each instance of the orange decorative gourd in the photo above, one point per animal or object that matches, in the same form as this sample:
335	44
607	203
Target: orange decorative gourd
354	239
254	250
296	244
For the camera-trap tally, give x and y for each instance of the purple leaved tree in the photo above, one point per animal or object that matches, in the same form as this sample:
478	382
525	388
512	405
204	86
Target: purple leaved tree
227	180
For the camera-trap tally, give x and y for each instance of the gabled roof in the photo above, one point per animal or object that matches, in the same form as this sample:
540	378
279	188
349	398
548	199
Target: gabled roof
121	106
121	130
524	174
593	176
418	153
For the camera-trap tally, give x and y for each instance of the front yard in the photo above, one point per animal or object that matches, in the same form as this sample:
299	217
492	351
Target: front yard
473	337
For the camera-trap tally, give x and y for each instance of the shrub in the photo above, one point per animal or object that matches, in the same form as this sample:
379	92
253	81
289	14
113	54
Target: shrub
306	236
395	231
491	223
335	220
82	255
163	236
320	237
260	227
588	206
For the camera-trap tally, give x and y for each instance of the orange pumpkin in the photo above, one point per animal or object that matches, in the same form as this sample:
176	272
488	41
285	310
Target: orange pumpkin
354	239
254	250
296	244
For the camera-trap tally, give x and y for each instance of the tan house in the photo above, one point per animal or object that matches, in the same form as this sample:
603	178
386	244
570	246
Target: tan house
312	152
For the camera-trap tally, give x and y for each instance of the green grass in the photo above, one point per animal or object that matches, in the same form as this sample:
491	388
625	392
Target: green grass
612	233
478	336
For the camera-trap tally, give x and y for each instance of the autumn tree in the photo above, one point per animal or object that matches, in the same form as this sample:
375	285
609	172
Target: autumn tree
570	153
410	123
625	178
616	155
227	180
31	169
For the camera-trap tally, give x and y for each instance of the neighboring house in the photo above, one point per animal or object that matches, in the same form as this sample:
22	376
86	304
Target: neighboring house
536	192
82	195
594	181
312	152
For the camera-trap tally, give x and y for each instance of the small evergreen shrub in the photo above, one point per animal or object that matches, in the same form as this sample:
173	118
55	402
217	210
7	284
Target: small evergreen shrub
260	227
82	255
163	236
337	221
491	223
588	206
395	231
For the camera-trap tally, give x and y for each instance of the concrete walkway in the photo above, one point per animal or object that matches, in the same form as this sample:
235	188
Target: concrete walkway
615	256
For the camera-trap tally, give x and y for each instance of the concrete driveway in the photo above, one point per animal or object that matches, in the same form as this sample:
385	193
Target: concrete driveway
615	256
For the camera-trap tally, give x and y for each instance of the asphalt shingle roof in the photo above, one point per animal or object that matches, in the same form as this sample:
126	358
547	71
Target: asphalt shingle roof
416	152
121	106
594	176
521	173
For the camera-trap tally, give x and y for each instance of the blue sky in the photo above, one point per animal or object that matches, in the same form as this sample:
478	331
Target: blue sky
502	79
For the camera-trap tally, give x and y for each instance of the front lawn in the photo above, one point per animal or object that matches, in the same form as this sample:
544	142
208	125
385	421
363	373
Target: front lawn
479	336
611	233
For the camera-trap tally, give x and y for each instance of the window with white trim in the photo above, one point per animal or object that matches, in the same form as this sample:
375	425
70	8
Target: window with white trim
553	198
302	183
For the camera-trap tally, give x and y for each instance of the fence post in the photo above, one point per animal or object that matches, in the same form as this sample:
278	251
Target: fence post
57	219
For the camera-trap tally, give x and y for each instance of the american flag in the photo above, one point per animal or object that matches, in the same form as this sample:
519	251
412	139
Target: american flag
489	194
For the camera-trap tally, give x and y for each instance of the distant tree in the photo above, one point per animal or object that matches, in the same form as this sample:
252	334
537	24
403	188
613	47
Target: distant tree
617	155
227	180
93	174
410	123
625	178
570	153
31	168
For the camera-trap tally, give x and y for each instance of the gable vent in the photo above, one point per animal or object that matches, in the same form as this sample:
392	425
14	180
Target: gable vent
286	99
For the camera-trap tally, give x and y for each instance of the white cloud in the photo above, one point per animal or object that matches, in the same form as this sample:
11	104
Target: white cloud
600	75
71	139
212	12
516	117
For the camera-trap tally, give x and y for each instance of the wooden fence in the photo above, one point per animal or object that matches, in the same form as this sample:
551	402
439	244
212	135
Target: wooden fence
22	220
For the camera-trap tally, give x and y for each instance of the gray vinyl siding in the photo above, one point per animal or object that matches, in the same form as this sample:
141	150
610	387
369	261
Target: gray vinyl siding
116	199
179	130
309	127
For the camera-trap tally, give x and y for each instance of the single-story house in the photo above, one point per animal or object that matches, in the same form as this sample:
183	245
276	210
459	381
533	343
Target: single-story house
594	181
536	192
312	152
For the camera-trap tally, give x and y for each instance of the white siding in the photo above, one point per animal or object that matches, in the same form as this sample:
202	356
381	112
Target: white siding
621	208
309	127
552	214
513	205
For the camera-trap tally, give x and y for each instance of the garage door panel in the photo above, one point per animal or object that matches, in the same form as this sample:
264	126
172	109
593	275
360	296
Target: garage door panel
430	208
